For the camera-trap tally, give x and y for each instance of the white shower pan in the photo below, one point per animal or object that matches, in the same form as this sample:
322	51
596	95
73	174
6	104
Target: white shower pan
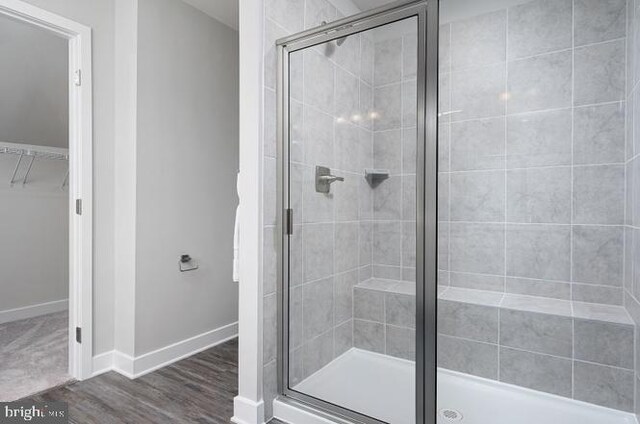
383	387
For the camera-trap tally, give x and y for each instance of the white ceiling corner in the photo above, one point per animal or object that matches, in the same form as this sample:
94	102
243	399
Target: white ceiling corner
225	11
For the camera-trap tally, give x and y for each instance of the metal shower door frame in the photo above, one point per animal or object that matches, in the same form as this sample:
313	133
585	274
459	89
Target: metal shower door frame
426	12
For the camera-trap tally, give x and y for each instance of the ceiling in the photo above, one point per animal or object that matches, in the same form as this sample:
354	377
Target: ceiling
225	11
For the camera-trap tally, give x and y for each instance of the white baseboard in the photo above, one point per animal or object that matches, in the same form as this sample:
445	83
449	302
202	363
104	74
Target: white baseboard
246	411
33	310
135	367
102	363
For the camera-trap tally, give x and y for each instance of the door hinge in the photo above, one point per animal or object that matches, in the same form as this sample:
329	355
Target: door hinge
78	334
77	77
288	224
79	206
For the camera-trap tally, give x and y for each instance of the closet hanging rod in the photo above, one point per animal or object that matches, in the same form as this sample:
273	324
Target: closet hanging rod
40	152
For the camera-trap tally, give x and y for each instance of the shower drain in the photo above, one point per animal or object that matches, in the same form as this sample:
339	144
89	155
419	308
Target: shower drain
450	415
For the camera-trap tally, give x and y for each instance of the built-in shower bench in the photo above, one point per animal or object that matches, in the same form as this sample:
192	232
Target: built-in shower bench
573	349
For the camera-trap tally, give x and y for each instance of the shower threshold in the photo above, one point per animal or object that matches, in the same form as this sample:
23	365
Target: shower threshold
382	386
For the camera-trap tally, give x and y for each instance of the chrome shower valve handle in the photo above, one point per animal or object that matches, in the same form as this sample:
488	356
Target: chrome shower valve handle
324	179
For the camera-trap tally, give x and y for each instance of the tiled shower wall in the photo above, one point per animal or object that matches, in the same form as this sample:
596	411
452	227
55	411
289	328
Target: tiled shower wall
394	149
632	210
532	150
331	246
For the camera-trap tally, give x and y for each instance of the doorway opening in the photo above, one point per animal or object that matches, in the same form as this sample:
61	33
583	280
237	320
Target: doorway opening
46	192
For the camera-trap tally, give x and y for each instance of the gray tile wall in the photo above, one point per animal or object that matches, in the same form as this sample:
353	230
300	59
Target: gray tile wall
538	179
631	261
542	346
393	216
532	150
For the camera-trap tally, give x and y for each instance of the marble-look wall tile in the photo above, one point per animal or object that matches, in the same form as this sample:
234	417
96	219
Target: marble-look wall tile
540	82
599	134
604	343
477	93
477	144
598	255
368	304
467	356
410	56
347	56
270	260
346	198
400	310
319	81
538	27
478	196
343	338
387	103
591	293
387	243
539	195
534	332
318	138
539	139
296	330
318	307
318	251
400	342
474	322
409	198
387	150
347	95
270	317
409	104
599	73
599	20
598	194
387	199
388	61
369	335
540	288
477	248
317	353
539	251
479	40
477	281
535	371
346	246
603	385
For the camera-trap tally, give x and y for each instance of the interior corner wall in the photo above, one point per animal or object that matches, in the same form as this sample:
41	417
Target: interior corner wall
126	50
99	15
186	170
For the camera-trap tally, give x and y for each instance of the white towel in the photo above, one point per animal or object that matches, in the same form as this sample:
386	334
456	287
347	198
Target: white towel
236	238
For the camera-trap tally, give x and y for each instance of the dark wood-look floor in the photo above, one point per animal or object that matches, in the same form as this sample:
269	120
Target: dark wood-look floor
199	389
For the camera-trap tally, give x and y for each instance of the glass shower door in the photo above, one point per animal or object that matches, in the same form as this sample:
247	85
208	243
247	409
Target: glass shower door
350	275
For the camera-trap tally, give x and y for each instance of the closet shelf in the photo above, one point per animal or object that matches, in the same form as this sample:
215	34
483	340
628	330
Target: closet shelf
33	152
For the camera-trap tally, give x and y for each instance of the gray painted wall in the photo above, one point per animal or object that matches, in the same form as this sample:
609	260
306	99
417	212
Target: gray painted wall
187	160
35	103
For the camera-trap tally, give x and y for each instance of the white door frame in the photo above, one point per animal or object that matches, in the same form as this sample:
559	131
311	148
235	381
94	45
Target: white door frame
80	175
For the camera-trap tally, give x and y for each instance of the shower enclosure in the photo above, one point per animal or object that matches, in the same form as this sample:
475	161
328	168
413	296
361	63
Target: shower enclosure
458	211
